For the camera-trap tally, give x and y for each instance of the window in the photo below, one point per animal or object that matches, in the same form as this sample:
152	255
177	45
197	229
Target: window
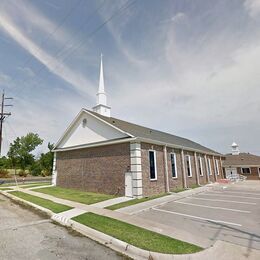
216	167
209	167
173	163
200	166
188	165
246	170
153	170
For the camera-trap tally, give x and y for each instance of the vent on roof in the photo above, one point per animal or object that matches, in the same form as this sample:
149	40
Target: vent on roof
84	122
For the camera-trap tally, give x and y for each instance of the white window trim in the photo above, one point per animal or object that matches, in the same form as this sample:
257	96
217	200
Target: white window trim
189	167
201	167
209	166
155	165
217	167
246	168
259	172
175	166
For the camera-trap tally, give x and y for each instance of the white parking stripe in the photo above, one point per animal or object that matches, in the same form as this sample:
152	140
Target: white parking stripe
221	194
239	202
238	192
211	207
191	216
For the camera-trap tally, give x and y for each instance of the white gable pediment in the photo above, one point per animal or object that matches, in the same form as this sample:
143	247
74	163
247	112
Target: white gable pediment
87	129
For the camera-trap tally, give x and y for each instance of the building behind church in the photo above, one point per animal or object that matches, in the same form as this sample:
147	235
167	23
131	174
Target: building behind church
244	164
103	154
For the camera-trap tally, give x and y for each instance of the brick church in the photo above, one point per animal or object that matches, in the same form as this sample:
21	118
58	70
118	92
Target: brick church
103	154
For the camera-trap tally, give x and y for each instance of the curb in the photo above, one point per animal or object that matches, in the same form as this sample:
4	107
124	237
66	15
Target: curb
106	240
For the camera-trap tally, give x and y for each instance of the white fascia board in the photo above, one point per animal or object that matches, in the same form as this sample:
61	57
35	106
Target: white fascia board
68	128
147	140
125	140
75	120
118	129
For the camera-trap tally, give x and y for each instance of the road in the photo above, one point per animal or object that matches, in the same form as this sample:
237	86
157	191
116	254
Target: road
25	235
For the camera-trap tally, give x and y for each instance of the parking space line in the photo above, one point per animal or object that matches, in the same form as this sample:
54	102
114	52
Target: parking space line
196	217
238	192
221	194
212	207
239	202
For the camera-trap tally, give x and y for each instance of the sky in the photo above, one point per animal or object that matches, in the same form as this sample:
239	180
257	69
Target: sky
186	67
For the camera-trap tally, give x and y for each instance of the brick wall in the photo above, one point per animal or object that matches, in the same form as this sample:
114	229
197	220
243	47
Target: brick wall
254	173
191	181
98	169
151	187
175	183
203	179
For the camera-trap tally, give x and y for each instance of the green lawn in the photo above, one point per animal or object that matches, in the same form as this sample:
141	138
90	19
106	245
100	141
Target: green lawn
48	204
5	188
136	236
134	201
31	185
75	195
193	186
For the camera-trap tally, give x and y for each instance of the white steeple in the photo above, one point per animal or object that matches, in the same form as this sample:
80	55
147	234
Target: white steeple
235	150
101	106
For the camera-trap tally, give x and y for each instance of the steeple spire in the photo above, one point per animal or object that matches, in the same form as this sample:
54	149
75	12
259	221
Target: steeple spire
101	106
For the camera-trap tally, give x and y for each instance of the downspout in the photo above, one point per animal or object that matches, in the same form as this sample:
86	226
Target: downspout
183	170
207	168
167	188
196	168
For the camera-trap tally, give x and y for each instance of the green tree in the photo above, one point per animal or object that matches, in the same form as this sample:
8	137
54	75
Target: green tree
20	151
46	160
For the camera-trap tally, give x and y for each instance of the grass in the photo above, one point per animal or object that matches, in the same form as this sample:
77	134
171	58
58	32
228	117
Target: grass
193	186
136	236
134	201
48	204
75	195
31	185
5	188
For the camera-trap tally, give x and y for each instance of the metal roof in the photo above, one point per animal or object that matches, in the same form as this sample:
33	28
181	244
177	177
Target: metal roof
148	133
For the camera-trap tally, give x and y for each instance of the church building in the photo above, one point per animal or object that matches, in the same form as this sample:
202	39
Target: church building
100	153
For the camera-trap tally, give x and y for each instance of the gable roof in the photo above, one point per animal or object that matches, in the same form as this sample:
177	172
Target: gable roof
242	159
153	135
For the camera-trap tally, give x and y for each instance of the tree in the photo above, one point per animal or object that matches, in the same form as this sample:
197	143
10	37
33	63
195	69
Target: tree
46	160
20	151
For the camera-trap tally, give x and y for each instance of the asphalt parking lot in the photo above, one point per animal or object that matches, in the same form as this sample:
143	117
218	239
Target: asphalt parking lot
230	213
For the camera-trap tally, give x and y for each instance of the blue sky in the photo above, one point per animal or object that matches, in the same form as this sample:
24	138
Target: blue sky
186	67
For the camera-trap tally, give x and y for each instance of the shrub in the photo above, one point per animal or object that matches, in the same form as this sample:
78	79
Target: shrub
22	173
36	169
4	173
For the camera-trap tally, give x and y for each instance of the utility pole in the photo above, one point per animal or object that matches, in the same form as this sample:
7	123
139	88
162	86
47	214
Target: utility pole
3	116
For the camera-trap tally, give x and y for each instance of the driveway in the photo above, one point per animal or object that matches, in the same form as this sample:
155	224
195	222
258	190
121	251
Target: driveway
230	213
25	235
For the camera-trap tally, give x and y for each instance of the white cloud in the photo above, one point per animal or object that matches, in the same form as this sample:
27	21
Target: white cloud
253	7
79	82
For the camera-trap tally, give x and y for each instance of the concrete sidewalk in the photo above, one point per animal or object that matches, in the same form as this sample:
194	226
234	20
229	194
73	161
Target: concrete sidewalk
162	200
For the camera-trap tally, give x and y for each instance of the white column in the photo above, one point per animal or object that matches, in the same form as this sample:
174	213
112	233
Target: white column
207	168
54	170
183	170
214	165
136	169
196	168
167	188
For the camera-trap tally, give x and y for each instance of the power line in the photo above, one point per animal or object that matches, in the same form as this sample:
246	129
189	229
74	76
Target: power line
63	20
124	7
